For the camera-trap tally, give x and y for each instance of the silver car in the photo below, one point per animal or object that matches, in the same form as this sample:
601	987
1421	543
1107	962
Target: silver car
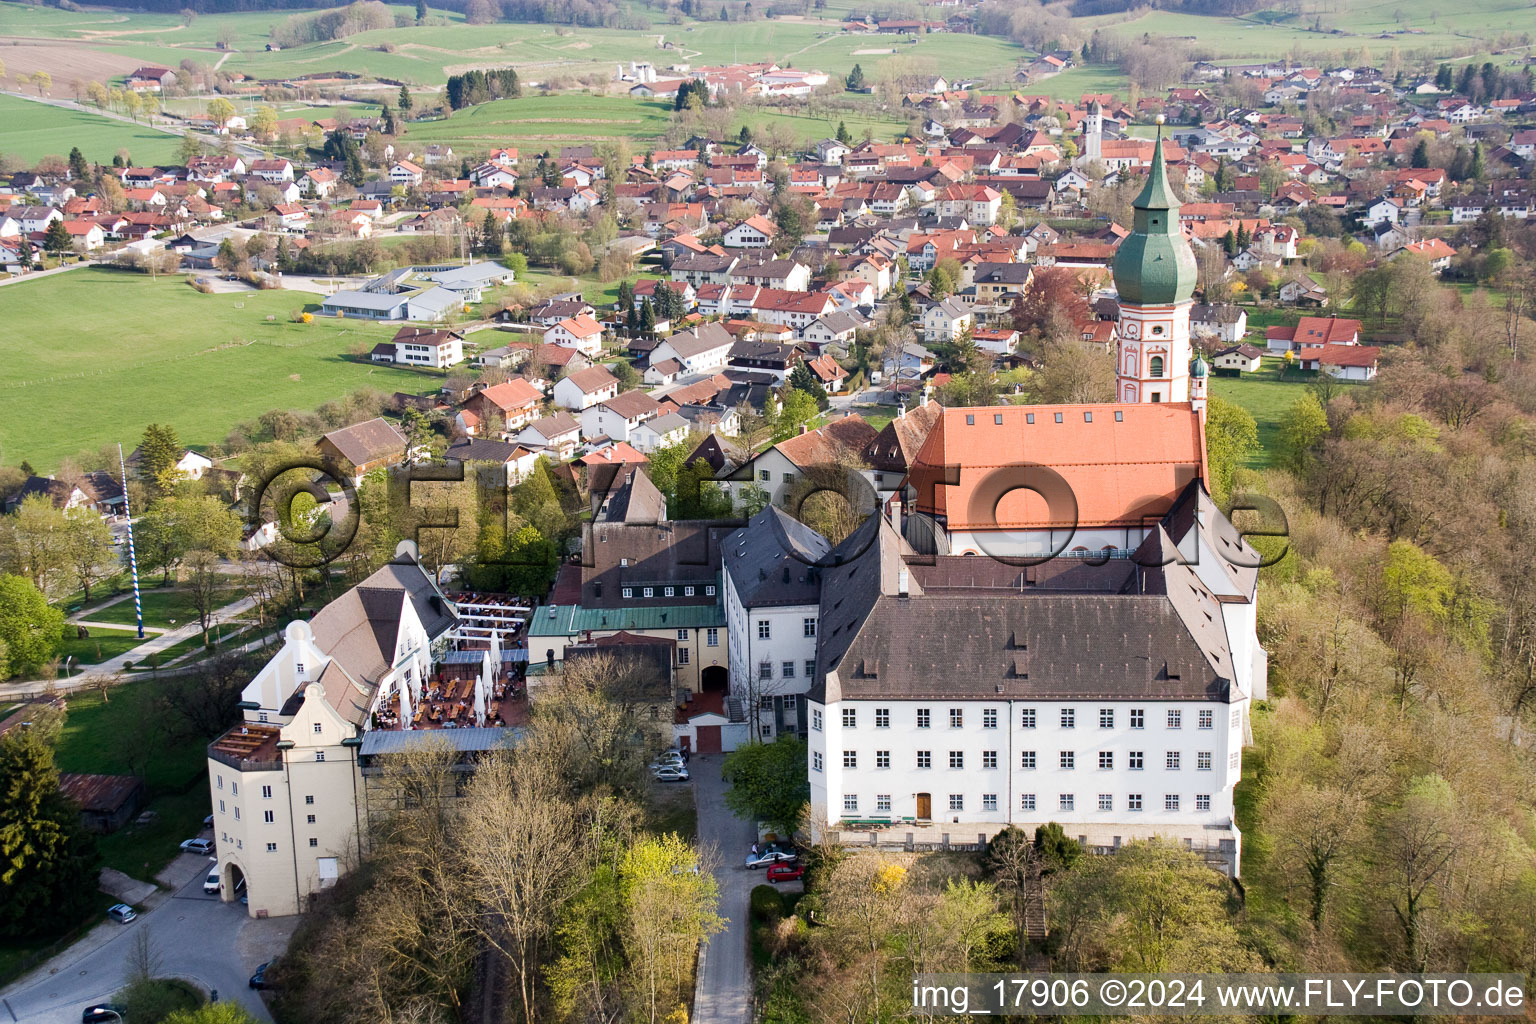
770	856
671	774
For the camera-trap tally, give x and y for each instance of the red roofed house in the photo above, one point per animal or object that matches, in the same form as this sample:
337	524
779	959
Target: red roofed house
1344	362
514	401
1313	331
86	234
828	373
581	333
1435	250
756	232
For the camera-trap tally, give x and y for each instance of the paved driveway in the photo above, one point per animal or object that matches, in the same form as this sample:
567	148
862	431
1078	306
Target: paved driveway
197	937
723	992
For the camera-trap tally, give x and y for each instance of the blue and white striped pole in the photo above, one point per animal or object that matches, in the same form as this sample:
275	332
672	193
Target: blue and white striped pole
133	562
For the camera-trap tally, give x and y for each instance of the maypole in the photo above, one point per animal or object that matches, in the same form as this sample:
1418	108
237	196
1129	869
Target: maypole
133	562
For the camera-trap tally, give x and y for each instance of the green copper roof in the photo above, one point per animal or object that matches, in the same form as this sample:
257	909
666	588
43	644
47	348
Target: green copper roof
1155	266
571	619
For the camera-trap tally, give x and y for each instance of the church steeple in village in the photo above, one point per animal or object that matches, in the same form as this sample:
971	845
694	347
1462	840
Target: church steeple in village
1154	273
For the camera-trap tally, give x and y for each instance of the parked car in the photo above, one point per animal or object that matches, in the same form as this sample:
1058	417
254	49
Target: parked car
122	913
785	871
659	764
211	884
259	979
102	1013
770	856
203	846
670	773
208	822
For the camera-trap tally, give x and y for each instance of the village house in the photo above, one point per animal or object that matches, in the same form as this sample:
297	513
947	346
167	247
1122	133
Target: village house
616	417
559	434
705	349
363	447
947	320
579	332
422	346
585	388
1239	359
1226	323
515	402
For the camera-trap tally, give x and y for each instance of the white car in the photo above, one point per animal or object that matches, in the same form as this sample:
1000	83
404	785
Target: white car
203	846
662	762
211	884
671	774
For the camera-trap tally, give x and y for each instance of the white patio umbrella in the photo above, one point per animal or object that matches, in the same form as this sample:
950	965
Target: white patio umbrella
482	684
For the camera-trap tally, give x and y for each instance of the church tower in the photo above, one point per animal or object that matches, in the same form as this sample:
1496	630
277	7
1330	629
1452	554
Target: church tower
1155	275
1093	132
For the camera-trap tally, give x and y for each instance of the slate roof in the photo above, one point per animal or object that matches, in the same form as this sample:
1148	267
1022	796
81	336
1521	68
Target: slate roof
773	560
479	449
705	338
1159	636
635	500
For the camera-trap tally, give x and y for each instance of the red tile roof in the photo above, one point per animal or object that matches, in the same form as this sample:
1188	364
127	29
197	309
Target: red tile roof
1120	471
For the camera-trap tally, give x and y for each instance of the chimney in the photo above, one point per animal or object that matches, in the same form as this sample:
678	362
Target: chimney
804	428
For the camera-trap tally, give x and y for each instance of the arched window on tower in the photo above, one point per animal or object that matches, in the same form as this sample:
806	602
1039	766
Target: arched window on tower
1157	366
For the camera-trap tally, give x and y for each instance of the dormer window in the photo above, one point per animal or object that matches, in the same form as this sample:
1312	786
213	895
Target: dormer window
299	668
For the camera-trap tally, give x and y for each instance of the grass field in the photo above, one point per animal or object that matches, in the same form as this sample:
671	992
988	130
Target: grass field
34	130
1379	27
102	645
122	350
1266	395
165	609
108	737
548	122
425	55
592	290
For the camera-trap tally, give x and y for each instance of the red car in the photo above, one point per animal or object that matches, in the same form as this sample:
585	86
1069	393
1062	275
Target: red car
785	872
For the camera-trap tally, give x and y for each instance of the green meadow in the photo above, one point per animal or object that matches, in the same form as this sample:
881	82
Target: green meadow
91	356
32	131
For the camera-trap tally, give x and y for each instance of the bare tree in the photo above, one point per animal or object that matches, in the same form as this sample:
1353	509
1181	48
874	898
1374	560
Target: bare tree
520	838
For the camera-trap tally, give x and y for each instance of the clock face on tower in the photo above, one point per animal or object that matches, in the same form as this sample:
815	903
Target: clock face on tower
1131	329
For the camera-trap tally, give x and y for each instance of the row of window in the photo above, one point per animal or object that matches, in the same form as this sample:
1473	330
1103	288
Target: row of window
266	792
1173	760
1027	802
765	628
786	669
1205	718
628	592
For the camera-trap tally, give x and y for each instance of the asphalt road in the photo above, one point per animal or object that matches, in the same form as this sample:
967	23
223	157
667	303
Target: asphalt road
722	994
196	936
